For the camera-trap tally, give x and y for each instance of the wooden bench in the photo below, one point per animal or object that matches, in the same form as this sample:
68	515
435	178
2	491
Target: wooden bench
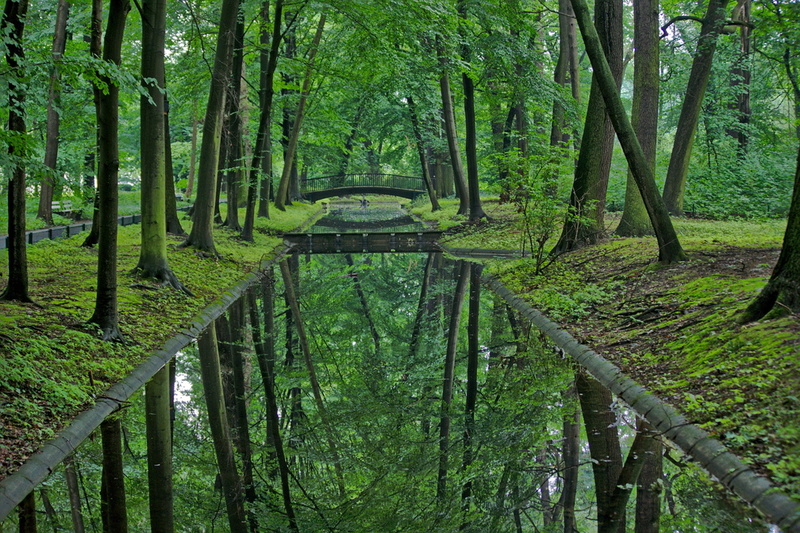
65	209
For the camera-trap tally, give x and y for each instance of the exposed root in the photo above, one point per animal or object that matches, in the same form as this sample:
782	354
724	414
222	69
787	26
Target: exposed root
164	276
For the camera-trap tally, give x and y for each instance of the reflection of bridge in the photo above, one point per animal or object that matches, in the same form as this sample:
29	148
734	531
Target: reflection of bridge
366	183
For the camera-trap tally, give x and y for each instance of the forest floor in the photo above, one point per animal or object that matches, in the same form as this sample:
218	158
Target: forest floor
673	328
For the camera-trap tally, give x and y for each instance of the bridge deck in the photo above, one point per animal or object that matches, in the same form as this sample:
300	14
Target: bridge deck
377	242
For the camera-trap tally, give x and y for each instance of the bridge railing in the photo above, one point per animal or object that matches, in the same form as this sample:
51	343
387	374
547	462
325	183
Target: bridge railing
365	179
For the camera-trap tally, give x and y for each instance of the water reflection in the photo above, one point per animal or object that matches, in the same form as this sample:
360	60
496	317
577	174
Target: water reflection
371	393
363	214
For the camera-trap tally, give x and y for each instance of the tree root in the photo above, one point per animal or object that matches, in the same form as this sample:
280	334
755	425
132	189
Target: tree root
164	276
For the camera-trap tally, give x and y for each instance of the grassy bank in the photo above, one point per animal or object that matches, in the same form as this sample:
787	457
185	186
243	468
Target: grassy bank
52	362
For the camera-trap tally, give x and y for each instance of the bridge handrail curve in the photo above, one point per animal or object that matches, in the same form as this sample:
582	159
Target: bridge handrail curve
362	179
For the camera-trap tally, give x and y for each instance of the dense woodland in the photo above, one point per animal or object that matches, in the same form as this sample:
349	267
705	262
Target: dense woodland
474	96
652	111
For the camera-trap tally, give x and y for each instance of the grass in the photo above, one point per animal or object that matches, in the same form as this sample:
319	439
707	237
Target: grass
128	205
53	364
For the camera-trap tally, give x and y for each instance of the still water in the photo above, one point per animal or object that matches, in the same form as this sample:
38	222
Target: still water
391	392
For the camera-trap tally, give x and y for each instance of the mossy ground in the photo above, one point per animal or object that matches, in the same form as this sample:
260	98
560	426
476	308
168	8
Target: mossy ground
673	328
53	363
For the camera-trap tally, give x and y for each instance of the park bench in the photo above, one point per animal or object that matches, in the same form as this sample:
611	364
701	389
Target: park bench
65	209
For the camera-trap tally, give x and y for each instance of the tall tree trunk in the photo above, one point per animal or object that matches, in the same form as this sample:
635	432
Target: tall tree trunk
644	115
270	45
95	51
45	211
158	396
560	73
170	197
628	477
217	419
26	512
781	295
262	154
282	195
669	248
106	311
648	487
413	343
423	163
201	236
153	262
476	212
362	298
113	508
447	381
13	25
678	169
584	224
240	392
741	76
571	456
192	153
235	157
452	143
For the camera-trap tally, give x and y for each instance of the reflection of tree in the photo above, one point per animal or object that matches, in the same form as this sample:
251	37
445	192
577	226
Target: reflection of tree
518	461
217	419
447	380
265	353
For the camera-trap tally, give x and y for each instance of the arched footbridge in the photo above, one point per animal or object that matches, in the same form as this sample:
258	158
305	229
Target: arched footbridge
365	183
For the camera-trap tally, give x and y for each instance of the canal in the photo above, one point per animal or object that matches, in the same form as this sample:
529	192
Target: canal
394	392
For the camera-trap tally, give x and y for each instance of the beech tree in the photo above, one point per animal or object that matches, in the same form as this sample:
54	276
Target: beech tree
781	295
45	211
644	115
584	224
282	194
13	25
201	236
153	262
106	310
675	182
669	248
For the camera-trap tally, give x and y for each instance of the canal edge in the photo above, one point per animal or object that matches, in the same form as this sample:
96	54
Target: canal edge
14	488
696	443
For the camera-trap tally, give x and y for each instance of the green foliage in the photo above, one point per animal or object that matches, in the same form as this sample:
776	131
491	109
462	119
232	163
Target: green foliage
757	185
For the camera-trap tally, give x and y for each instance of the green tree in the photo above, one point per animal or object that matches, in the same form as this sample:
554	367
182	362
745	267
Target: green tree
675	182
106	308
644	115
45	211
669	248
781	295
201	235
153	262
13	25
584	224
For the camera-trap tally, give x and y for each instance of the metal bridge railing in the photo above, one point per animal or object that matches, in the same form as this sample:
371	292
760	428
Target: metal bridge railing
365	179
